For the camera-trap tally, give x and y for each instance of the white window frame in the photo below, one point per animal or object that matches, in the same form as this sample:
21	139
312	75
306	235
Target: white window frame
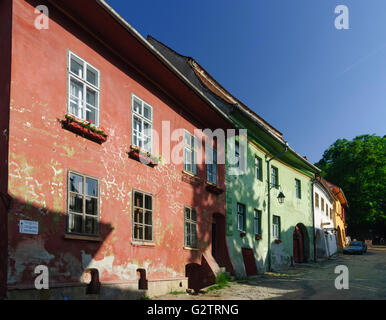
193	151
276	183
257	216
241	228
258	168
193	228
142	224
211	168
143	120
276	228
86	85
71	214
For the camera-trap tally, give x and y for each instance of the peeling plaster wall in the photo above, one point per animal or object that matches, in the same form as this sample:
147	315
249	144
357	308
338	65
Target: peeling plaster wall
41	152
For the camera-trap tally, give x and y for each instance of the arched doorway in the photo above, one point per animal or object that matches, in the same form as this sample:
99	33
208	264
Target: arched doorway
299	244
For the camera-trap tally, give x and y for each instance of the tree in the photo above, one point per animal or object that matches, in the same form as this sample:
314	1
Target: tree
359	168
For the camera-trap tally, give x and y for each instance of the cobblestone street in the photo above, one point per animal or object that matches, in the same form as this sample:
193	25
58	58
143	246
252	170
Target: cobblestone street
367	280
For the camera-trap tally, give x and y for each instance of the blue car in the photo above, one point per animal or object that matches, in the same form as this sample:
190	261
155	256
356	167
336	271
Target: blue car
356	247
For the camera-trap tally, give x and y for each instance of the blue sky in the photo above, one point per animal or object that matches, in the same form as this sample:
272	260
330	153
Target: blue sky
283	59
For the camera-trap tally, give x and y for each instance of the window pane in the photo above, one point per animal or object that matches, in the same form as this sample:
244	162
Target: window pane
138	125
76	66
91	97
194	215
91	226
92	115
91	187
148	233
187	234
76	98
194	235
187	139
187	213
138	232
148	202
75	223
137	106
240	222
76	183
148	218
138	199
147	111
92	206
138	216
92	76
76	203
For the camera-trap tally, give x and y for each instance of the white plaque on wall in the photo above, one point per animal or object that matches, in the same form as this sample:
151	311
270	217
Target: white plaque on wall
28	227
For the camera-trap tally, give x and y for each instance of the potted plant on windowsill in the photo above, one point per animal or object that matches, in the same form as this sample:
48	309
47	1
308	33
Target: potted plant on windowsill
277	241
257	237
243	234
83	128
143	156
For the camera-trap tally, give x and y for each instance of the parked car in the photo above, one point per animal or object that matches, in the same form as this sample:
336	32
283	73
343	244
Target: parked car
356	247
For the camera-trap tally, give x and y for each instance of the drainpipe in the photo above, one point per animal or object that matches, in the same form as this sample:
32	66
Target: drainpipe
269	203
313	215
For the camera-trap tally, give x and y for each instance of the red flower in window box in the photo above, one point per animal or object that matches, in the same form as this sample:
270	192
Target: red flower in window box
84	128
257	237
138	154
242	234
277	241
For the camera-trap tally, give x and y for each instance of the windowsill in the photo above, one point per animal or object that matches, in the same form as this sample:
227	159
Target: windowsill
190	174
190	248
139	243
211	187
82	237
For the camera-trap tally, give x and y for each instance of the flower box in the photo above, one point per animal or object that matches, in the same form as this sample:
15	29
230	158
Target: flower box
213	188
277	241
191	178
242	234
84	128
142	156
257	237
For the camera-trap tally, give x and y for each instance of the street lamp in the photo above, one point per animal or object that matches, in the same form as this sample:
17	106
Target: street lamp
281	197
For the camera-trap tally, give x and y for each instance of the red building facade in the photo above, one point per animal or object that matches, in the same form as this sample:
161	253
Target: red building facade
79	95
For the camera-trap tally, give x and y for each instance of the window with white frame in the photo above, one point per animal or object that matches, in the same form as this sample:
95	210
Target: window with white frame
190	152
276	228
275	177
83	204
258	168
257	222
240	217
237	154
142	124
84	89
211	168
190	227
142	216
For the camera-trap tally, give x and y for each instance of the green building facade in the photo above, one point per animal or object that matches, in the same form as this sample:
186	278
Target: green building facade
268	232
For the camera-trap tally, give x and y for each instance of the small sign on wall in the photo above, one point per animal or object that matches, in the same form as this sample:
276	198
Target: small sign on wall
28	227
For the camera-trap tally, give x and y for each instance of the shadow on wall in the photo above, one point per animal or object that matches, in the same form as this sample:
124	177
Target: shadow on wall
69	274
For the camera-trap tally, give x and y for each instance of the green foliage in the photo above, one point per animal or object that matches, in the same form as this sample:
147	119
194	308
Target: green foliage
359	168
222	280
176	292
